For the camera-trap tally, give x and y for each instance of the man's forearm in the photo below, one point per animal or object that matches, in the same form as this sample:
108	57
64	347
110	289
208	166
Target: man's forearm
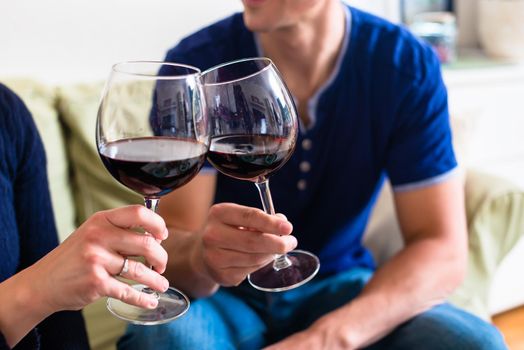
419	277
185	268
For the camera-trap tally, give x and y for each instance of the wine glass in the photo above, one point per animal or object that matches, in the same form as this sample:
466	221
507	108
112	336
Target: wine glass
152	137
254	127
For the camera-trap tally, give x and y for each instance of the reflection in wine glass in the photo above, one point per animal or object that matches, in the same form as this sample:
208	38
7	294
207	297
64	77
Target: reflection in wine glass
152	137
253	126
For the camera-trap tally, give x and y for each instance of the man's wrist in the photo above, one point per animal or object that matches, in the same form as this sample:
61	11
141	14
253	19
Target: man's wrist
197	260
200	268
335	333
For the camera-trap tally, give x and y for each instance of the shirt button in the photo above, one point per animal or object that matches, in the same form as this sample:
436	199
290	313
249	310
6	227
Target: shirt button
301	185
307	144
305	166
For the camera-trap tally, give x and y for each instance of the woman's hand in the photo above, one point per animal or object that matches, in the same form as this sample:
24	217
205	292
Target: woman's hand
83	268
238	240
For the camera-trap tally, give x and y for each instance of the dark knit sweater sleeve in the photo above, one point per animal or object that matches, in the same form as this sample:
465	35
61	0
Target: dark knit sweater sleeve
32	202
26	209
61	331
3	344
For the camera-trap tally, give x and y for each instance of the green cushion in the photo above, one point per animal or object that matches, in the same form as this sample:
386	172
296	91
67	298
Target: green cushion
103	329
95	189
495	211
40	100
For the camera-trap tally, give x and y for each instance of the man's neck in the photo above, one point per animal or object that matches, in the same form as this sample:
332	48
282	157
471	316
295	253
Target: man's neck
306	52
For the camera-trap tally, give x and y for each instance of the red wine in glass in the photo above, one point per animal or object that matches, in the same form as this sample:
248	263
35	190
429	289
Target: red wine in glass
153	166
248	157
253	128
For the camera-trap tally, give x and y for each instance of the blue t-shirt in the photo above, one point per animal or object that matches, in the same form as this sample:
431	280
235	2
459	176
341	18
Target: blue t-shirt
27	227
383	112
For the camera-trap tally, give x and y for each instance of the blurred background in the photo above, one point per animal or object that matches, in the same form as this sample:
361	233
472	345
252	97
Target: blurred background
58	40
66	41
61	44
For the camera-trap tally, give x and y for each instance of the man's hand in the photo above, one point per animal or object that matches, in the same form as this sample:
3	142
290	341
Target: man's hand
238	240
300	340
325	334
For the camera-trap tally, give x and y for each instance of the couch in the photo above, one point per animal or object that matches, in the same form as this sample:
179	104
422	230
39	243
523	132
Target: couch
65	116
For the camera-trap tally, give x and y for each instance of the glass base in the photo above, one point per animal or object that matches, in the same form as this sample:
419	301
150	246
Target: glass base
171	305
304	266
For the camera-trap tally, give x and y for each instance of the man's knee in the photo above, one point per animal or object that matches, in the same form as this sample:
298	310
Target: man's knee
441	328
482	336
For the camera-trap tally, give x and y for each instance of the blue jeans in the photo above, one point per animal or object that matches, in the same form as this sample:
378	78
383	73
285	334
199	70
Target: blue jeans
245	318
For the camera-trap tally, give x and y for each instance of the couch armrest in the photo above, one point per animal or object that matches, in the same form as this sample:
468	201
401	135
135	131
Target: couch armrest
495	213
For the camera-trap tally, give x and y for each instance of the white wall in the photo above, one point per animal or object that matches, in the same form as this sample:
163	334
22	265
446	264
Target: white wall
385	8
78	40
73	40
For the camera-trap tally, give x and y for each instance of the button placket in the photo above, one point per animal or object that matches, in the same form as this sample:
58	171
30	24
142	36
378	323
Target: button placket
307	144
304	166
302	184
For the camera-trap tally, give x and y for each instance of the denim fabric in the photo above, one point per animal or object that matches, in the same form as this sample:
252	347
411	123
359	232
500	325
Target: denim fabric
245	318
444	327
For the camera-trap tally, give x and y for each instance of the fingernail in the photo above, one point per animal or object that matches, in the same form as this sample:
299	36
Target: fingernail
165	284
295	243
153	302
166	233
285	227
282	216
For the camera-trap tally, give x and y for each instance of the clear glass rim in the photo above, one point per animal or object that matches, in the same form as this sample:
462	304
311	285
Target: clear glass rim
268	62
110	307
119	68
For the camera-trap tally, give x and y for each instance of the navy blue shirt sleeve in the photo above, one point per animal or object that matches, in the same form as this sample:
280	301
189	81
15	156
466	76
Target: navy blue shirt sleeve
63	330
3	344
421	146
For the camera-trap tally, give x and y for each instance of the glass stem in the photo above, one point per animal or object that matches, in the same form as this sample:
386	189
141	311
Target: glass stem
281	260
151	204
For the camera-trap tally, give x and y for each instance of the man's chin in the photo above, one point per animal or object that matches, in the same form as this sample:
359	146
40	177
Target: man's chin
257	24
